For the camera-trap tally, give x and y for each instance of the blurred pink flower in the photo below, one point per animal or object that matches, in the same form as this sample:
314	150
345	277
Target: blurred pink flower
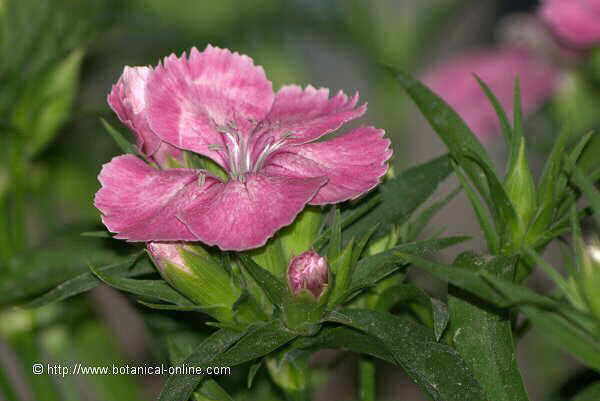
128	100
575	22
308	271
454	81
220	105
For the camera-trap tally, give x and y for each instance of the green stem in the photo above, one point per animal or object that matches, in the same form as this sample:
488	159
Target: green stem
367	384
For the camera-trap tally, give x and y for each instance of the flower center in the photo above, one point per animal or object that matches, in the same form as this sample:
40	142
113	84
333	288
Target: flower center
246	153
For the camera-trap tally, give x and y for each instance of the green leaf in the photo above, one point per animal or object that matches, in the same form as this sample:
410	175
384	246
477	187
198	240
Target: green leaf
227	348
252	372
441	317
274	288
345	338
561	330
493	289
179	308
45	103
590	191
482	334
547	189
335	236
502	207
502	117
342	269
417	226
38	270
401	196
147	289
404	293
439	370
517	124
491	236
374	268
83	282
449	126
180	387
272	256
210	390
299	236
590	393
119	139
588	160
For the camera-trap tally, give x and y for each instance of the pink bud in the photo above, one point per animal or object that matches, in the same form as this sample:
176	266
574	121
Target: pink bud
162	252
308	271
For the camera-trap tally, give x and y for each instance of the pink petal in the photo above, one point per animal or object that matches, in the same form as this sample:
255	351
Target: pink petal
353	163
190	100
309	114
245	215
140	203
576	22
128	100
453	80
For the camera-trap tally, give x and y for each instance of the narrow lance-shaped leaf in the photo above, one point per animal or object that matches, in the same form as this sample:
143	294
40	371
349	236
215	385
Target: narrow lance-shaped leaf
517	124
491	236
147	289
417	226
401	196
335	239
227	348
372	269
180	387
274	288
502	117
482	333
590	191
119	139
450	128
345	338
435	367
590	393
131	267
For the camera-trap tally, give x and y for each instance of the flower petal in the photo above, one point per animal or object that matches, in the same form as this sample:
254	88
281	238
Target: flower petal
353	163
140	203
128	100
309	114
191	100
245	215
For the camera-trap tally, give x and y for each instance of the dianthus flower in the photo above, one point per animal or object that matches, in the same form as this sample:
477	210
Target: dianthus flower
219	105
454	81
575	22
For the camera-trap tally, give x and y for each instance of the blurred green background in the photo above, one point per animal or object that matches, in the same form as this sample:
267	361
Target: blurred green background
59	59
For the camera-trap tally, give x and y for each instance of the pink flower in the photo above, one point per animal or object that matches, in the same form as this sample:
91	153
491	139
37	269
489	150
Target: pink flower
308	271
128	100
454	81
220	105
576	22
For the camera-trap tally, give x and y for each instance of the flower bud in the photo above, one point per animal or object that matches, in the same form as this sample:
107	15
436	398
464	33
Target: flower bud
164	253
192	271
308	272
520	188
590	277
